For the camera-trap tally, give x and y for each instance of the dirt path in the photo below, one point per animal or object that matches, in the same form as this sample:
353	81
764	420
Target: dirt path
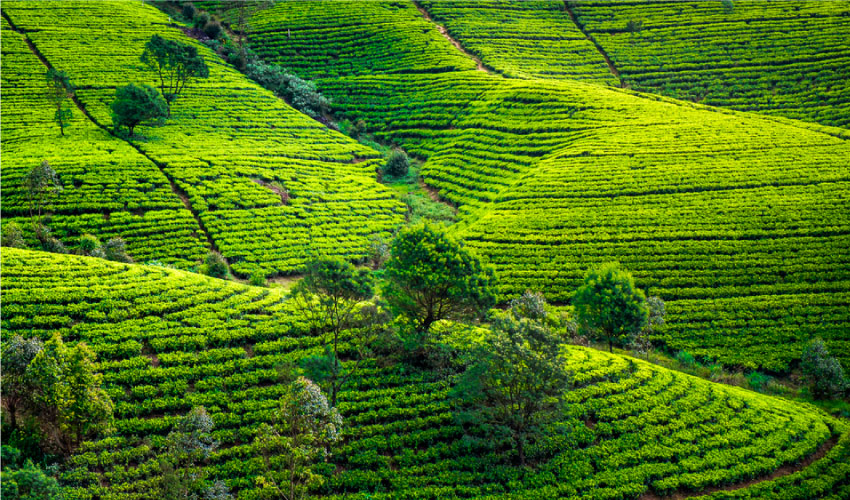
780	472
445	33
595	44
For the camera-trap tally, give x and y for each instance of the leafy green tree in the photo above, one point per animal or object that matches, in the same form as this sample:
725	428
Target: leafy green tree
515	387
70	402
41	184
188	447
304	428
328	296
431	277
609	307
824	372
115	250
175	63
17	385
134	104
12	235
397	164
642	343
27	482
59	92
216	266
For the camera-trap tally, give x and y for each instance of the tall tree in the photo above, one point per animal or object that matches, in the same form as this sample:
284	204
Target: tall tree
59	92
516	385
304	428
431	277
17	385
609	306
328	295
134	104
824	372
41	183
175	63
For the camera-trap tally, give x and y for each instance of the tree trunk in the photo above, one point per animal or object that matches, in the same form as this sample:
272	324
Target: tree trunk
521	451
610	345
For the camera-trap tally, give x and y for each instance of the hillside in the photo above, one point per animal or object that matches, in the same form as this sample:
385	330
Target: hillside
226	140
168	340
738	221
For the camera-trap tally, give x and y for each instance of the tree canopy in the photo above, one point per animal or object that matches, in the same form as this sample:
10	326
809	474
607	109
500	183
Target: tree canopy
134	104
431	277
609	306
59	92
175	63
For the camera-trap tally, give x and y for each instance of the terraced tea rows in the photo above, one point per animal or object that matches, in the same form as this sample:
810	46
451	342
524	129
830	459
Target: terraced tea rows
226	141
109	188
787	58
717	212
169	340
535	39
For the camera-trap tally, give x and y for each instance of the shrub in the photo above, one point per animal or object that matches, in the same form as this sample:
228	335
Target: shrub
215	266
824	373
12	235
200	20
52	244
88	243
397	164
258	278
213	30
116	249
685	359
189	11
758	381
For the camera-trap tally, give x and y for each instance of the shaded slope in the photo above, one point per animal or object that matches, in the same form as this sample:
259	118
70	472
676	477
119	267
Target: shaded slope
169	340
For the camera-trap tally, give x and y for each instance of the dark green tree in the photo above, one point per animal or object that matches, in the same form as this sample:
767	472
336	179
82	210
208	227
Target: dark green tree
27	482
12	235
609	307
397	164
175	63
216	266
514	389
17	385
134	104
188	448
59	92
302	432
329	295
431	277
41	184
824	372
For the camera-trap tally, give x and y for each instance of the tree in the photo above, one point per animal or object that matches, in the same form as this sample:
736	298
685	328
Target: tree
115	250
216	266
515	387
328	295
134	104
188	446
27	482
12	235
642	342
41	183
15	382
70	403
397	164
431	277
303	430
824	372
59	91
175	63
609	307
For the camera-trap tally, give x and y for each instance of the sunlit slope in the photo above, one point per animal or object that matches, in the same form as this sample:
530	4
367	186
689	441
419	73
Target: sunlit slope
169	340
788	58
109	189
226	136
523	39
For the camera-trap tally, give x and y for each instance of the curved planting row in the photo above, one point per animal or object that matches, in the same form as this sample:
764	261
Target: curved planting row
168	340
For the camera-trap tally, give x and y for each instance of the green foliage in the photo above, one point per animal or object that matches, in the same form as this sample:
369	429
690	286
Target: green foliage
824	372
758	381
686	359
213	30
609	306
27	481
41	184
299	93
135	104
328	296
17	385
200	20
12	235
59	92
175	64
397	164
257	278
188	11
89	245
516	385
116	249
216	266
303	429
642	342
431	277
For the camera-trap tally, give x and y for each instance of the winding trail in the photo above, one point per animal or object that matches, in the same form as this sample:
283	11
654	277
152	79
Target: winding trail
443	31
595	44
82	107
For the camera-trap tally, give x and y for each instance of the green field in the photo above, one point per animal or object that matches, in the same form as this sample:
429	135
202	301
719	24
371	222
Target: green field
169	340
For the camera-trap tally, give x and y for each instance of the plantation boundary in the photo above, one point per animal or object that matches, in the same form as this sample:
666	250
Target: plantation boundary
595	44
443	31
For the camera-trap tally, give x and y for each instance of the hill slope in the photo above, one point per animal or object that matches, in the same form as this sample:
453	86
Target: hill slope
738	221
169	340
226	140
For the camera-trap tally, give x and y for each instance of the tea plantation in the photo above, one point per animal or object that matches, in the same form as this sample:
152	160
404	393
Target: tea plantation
702	145
169	340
